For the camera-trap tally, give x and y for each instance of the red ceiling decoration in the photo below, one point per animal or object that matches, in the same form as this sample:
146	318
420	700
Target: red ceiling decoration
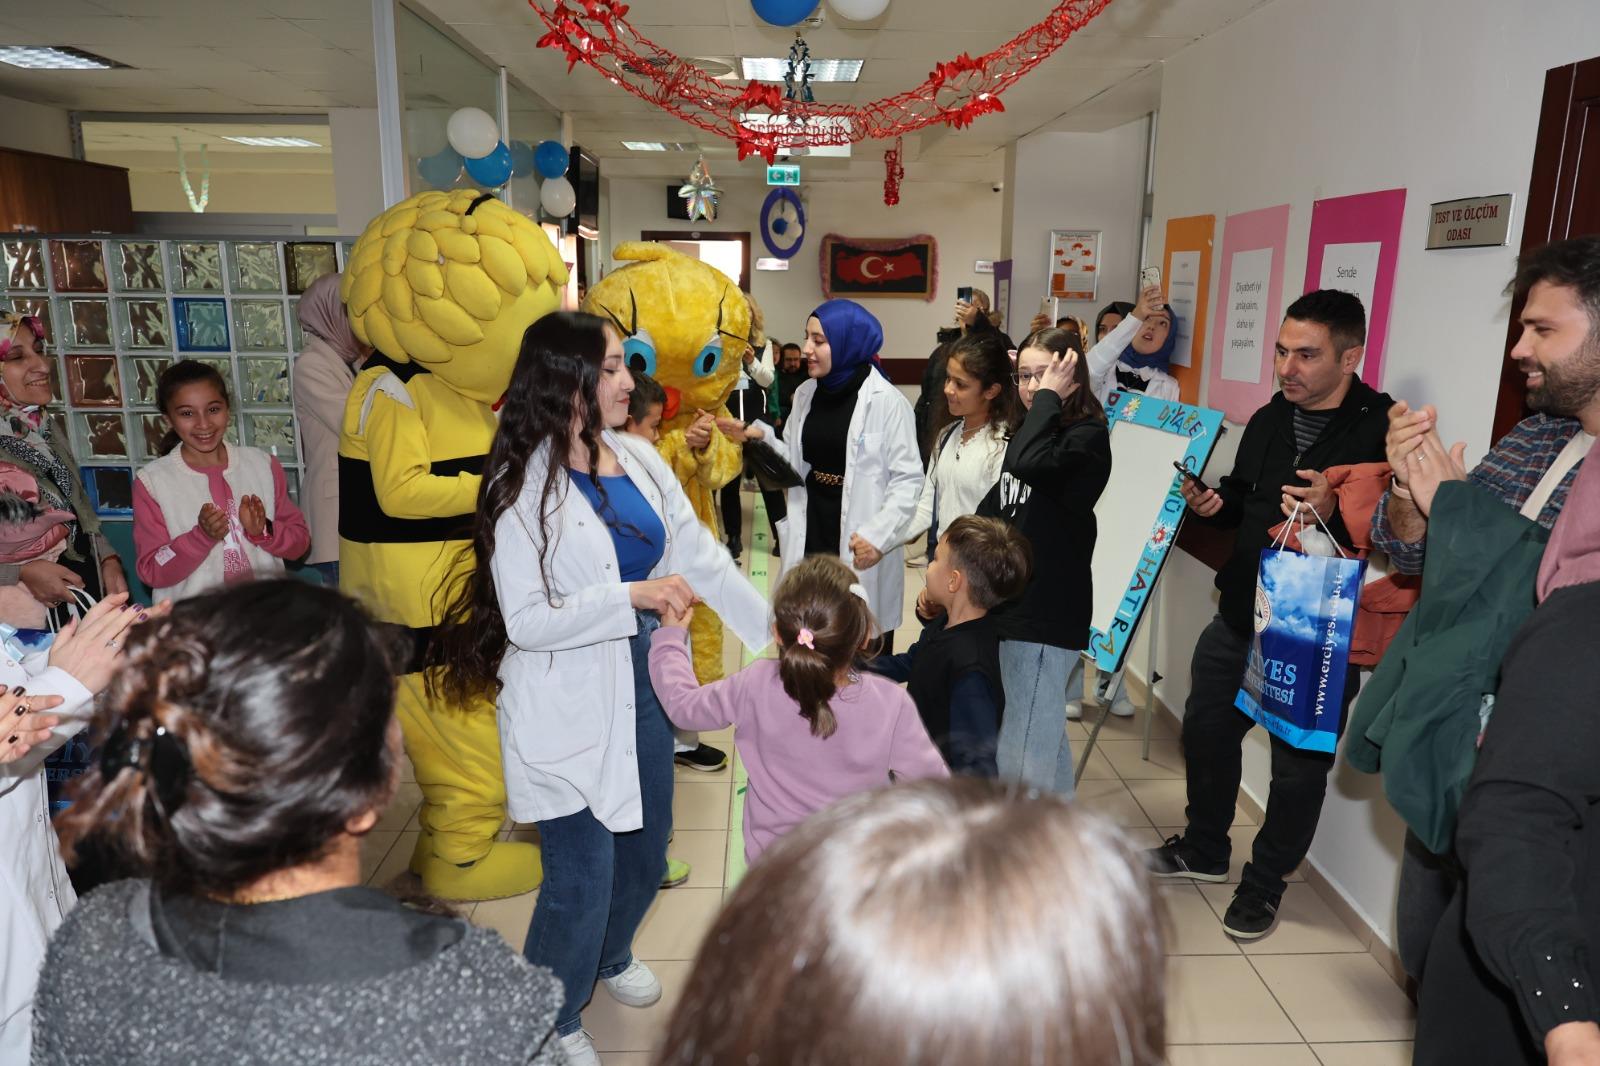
597	33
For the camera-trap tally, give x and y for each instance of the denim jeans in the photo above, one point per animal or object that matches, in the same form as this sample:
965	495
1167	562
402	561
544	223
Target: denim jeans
329	572
1033	733
1213	742
599	884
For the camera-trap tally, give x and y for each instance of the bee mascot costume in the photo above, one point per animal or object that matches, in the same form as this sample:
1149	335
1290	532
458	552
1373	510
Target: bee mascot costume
686	324
443	285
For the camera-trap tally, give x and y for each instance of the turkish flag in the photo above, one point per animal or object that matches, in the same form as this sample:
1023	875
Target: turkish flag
872	267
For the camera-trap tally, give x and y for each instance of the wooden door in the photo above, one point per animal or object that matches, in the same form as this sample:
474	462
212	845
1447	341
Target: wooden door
1563	197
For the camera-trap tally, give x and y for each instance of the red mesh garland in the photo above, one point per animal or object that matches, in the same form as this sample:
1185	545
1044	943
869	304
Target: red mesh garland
893	171
597	33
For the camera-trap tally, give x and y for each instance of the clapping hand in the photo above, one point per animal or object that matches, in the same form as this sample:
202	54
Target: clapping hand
90	648
698	435
214	522
1406	430
1428	466
253	517
866	555
21	724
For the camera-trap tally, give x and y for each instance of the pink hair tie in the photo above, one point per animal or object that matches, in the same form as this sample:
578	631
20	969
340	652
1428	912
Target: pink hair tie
806	638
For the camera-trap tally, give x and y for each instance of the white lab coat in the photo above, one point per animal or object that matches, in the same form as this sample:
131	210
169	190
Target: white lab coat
1105	357
882	486
35	894
566	710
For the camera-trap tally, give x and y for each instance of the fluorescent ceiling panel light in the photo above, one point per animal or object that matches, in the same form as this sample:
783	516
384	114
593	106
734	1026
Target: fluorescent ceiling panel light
54	57
644	146
771	68
274	142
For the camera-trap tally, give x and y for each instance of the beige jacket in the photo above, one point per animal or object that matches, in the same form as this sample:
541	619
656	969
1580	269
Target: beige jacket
322	382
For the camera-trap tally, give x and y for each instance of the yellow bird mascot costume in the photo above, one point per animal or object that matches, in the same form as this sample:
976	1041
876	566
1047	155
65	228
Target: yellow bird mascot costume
686	324
443	285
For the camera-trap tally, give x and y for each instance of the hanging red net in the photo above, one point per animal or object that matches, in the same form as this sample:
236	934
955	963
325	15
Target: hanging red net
757	118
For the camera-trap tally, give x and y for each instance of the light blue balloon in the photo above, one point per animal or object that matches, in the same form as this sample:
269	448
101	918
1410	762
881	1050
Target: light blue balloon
551	157
522	159
783	12
440	169
494	169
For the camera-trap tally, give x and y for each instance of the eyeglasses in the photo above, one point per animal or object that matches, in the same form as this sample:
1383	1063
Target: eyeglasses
1024	379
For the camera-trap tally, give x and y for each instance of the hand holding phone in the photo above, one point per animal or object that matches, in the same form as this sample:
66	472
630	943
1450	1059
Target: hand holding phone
1190	476
964	294
1150	278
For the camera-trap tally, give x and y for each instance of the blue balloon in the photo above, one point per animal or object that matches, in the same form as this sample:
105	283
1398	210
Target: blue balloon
440	169
783	12
551	157
494	169
522	159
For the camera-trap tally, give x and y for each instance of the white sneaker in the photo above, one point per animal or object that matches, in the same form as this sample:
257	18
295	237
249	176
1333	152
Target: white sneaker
1074	711
1121	708
579	1049
636	986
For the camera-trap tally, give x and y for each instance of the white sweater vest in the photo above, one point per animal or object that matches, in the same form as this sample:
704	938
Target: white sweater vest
182	491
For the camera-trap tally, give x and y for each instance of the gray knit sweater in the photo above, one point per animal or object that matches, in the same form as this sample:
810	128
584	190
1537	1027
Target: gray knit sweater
107	995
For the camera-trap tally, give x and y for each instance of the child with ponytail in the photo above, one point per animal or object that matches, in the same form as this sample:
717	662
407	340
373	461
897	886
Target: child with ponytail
809	728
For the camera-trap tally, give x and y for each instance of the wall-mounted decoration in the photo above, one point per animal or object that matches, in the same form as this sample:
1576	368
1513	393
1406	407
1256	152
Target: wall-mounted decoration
905	268
783	222
1074	270
1355	246
228	304
1186	267
1249	297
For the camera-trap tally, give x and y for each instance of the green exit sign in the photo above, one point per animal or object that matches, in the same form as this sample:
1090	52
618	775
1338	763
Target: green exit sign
784	174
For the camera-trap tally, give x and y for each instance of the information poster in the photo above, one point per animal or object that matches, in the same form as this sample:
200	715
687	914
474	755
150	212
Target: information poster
1354	246
1249	307
1002	293
1074	264
1186	276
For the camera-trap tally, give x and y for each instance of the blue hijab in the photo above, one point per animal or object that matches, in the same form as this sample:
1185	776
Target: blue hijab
1160	358
854	336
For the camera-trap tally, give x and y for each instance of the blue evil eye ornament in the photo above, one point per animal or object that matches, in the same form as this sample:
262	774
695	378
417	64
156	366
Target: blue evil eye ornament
552	158
494	169
783	223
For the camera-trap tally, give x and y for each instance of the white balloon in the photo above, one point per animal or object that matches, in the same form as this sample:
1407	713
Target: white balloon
558	197
859	10
473	132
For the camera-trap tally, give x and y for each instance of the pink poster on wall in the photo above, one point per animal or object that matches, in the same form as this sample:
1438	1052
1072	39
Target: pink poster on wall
1249	299
1355	242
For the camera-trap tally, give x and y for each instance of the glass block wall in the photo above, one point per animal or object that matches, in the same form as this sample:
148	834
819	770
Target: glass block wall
118	310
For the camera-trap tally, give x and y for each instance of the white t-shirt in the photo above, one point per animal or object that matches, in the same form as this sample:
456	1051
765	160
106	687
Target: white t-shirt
1570	456
962	474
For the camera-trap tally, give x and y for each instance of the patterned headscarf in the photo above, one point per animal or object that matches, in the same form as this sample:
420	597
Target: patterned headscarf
24	429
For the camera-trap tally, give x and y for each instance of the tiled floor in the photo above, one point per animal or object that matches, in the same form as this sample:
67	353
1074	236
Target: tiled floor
1307	995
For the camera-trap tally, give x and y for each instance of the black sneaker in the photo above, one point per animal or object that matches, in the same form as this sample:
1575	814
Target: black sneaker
735	547
1250	916
1174	861
705	758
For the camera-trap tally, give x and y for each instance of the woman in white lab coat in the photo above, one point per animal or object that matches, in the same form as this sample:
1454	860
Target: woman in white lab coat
852	436
44	700
583	536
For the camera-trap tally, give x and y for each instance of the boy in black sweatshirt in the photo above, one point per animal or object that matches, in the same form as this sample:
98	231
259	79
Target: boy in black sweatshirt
952	672
1324	416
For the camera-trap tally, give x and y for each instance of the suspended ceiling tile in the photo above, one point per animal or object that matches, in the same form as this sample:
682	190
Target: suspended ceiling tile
932	46
79	31
360	10
288	60
1192	18
260	32
354	34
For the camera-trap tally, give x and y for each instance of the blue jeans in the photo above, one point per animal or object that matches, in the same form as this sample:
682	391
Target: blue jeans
599	884
1033	734
329	572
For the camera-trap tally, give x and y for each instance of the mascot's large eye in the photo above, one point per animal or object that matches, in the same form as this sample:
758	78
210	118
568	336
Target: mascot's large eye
709	359
639	353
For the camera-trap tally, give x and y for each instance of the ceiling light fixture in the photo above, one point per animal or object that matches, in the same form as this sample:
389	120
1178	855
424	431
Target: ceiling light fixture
54	57
661	146
771	68
274	142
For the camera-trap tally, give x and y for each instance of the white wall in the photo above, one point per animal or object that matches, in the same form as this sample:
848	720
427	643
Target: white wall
1091	181
964	217
357	167
35	127
1304	99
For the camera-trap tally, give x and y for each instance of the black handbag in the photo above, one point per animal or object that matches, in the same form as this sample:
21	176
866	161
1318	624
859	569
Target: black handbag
770	469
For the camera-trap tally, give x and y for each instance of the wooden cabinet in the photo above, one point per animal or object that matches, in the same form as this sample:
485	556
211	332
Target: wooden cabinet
52	194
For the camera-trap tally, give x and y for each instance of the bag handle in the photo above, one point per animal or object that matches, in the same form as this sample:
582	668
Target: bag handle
1282	540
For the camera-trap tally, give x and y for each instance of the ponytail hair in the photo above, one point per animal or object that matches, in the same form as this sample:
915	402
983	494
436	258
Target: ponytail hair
245	731
822	628
185	372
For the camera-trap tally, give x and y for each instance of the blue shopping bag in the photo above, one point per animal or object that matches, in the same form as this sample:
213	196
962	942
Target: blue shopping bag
1304	614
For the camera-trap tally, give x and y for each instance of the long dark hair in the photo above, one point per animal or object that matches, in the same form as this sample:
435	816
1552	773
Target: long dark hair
560	359
985	357
245	730
937	922
815	597
185	372
1082	405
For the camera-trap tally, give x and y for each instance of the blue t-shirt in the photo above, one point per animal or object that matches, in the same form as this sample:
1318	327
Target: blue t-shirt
636	529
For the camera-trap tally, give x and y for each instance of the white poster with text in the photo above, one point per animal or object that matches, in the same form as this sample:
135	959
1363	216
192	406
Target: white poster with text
1354	269
1245	304
1182	295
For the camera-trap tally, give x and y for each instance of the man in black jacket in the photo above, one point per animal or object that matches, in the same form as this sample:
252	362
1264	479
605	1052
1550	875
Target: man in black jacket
1322	417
